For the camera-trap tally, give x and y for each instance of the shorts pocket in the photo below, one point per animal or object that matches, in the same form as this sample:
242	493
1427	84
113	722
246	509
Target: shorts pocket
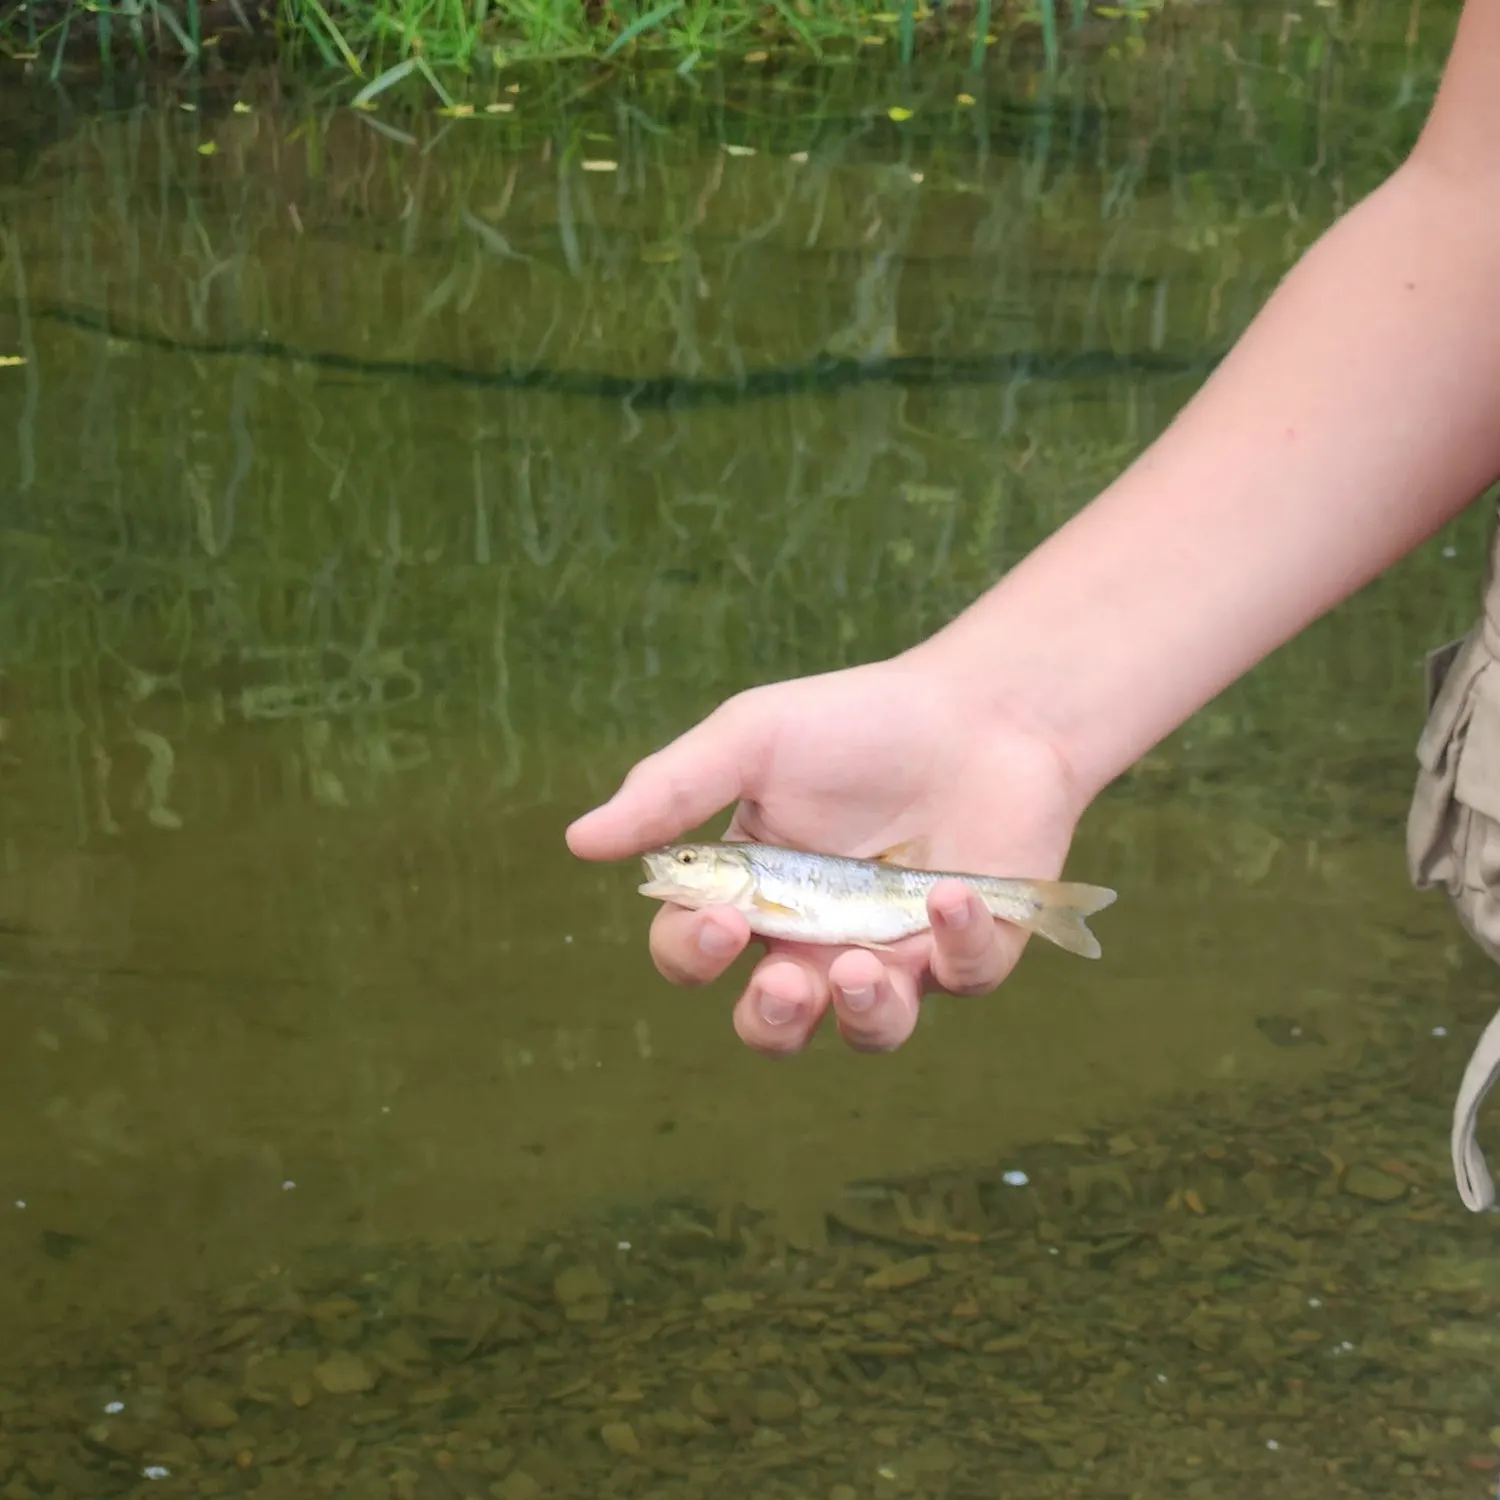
1453	825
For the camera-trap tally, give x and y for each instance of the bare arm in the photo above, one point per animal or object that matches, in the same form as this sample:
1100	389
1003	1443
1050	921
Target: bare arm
1358	414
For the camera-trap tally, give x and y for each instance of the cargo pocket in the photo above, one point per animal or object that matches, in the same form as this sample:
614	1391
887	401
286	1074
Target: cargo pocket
1453	825
1453	841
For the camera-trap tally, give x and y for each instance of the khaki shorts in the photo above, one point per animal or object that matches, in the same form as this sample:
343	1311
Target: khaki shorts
1453	836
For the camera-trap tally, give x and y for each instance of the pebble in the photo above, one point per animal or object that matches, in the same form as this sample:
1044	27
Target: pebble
729	1302
773	1406
205	1408
517	1485
619	1437
344	1374
1370	1182
899	1274
583	1293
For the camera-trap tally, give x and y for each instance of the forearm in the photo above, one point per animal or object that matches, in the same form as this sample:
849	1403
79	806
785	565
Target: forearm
1358	414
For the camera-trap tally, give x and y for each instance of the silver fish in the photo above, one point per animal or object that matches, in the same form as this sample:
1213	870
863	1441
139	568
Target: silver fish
866	903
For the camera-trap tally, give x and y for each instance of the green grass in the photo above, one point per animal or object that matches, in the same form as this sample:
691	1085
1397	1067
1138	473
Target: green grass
369	39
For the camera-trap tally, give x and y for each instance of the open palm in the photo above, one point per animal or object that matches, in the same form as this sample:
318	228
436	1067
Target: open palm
851	762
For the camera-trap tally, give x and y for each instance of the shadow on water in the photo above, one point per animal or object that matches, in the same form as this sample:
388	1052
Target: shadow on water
349	1145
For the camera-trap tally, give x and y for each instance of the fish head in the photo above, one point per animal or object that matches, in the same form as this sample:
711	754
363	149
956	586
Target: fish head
696	875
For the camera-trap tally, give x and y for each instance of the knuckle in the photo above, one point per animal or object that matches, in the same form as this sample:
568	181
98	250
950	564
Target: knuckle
770	1043
675	973
969	945
978	971
865	1041
680	797
971	988
740	709
781	1047
676	958
970	977
884	1036
673	793
885	1028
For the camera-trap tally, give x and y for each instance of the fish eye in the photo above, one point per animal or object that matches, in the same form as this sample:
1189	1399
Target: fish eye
687	856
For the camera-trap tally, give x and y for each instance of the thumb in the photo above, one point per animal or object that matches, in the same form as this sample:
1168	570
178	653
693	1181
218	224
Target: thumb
670	792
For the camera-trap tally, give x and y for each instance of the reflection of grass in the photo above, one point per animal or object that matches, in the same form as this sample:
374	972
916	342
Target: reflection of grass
351	568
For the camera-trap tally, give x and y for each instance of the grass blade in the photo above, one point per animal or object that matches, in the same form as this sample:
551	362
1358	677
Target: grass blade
981	31
62	41
386	80
425	69
1049	32
188	45
798	26
642	23
336	37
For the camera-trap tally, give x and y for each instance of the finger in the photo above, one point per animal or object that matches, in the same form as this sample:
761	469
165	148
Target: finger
678	788
971	952
696	947
877	1008
782	1006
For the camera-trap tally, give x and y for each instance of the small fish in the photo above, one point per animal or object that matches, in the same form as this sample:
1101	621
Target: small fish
867	903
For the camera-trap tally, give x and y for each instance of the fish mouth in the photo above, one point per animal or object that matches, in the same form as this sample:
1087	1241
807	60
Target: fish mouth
657	882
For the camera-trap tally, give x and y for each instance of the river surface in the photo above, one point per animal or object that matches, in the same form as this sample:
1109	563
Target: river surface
376	488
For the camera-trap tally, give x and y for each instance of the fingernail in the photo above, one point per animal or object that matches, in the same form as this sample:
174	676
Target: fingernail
859	1000
714	942
775	1011
955	916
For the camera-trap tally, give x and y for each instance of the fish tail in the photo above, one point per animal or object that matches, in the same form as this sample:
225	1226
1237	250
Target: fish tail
1058	911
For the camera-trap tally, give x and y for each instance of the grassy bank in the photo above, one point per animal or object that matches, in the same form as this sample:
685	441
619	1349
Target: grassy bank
368	39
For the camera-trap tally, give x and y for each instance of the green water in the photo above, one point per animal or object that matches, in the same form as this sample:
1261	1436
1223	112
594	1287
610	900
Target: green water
375	490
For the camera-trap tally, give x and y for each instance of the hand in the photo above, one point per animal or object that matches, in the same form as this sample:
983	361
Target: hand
852	762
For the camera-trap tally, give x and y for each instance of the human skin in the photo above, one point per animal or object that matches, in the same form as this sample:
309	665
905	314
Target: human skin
1354	417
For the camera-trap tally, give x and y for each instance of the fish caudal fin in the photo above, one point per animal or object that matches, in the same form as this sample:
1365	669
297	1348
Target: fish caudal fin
1059	916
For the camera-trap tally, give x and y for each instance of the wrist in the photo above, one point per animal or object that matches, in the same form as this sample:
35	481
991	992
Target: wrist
992	703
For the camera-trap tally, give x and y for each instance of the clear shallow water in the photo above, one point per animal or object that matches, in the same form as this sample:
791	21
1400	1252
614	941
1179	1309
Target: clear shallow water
373	502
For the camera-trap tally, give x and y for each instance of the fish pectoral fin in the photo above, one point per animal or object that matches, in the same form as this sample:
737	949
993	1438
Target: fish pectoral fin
905	855
774	908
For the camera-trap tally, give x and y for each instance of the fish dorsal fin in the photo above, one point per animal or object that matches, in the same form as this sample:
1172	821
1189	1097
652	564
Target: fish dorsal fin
905	855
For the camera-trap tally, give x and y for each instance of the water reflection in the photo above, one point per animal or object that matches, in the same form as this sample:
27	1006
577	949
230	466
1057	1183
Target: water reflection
352	1143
